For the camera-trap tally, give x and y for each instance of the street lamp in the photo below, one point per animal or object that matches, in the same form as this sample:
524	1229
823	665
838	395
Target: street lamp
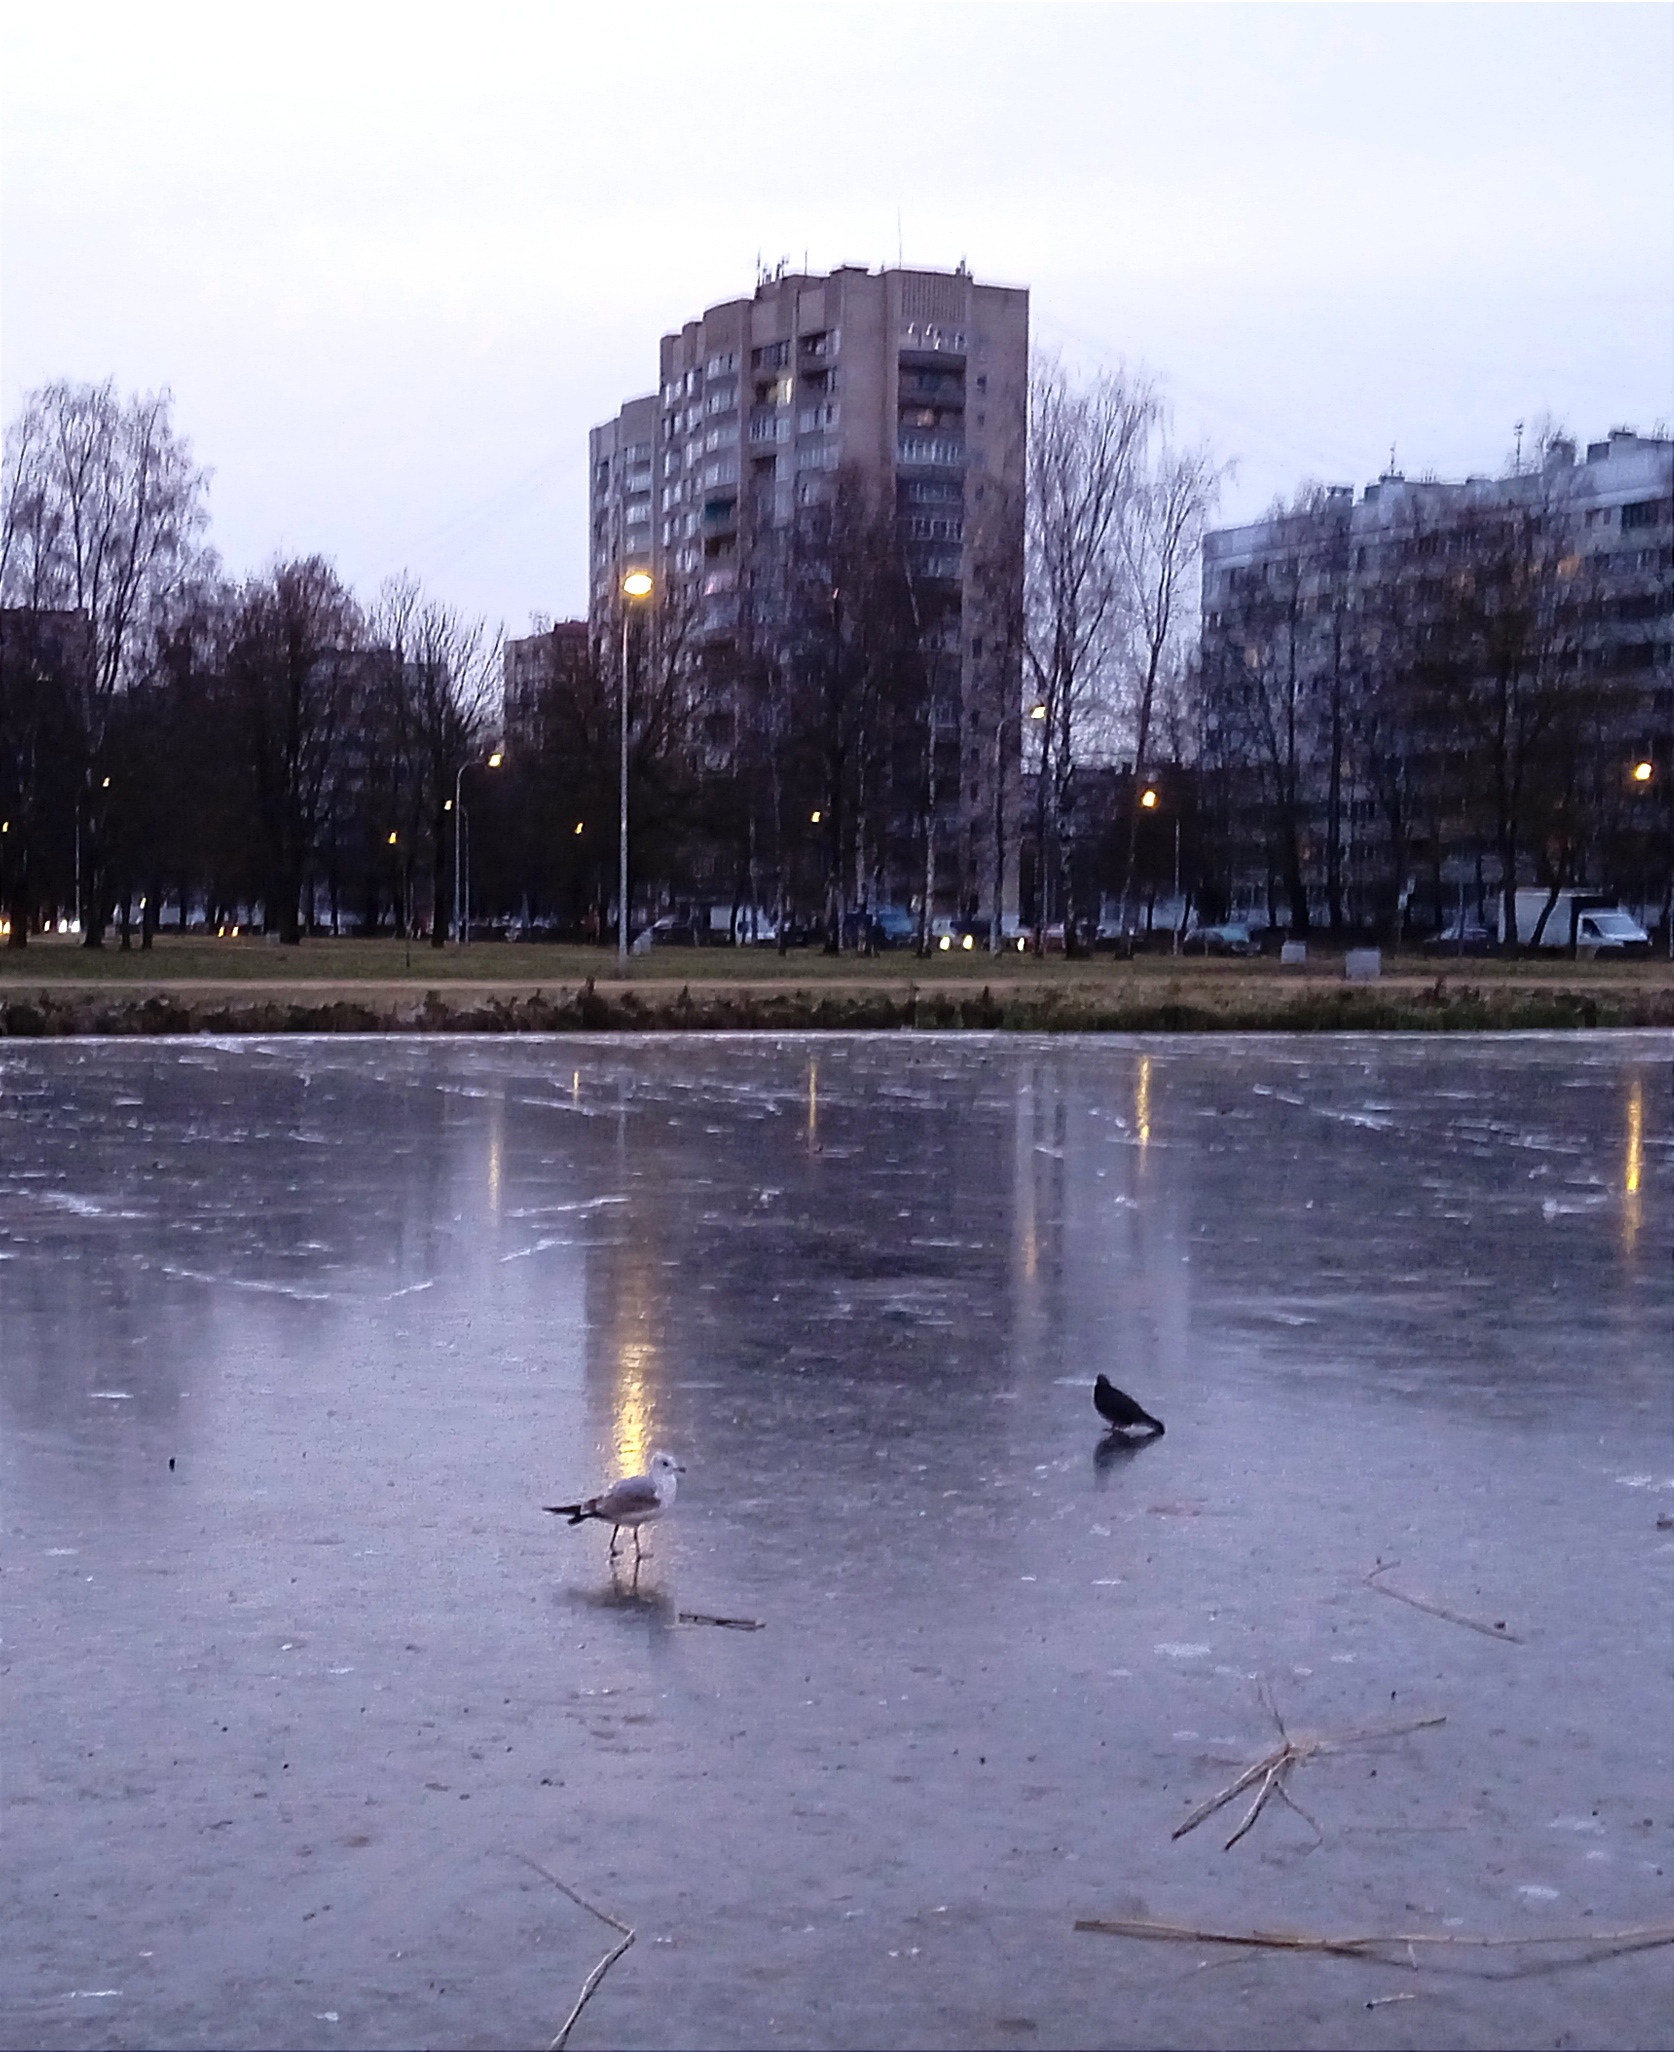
1643	772
636	587
461	924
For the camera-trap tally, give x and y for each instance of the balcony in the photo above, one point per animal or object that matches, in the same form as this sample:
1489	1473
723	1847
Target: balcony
938	449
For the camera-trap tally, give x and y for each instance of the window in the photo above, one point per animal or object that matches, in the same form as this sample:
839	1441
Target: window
770	356
723	472
933	491
718	366
721	398
1644	513
817	456
814	419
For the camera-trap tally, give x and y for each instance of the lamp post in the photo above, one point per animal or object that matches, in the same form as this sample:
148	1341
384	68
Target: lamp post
461	923
1643	774
1150	799
635	586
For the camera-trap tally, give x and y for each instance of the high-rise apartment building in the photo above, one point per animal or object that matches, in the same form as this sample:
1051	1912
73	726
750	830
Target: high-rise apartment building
899	392
621	501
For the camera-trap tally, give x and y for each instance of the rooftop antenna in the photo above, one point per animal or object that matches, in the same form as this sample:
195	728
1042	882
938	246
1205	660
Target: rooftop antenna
1517	460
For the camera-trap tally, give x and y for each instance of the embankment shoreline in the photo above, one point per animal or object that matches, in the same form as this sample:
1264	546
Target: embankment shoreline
1314	1007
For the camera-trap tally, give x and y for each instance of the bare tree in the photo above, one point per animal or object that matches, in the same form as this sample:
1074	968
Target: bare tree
293	668
103	516
1160	541
446	669
1085	447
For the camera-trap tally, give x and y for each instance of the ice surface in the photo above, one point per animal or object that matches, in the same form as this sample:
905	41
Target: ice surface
281	1719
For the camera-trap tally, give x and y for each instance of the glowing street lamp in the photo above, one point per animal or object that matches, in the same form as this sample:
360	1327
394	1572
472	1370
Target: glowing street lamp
637	587
1643	772
1148	799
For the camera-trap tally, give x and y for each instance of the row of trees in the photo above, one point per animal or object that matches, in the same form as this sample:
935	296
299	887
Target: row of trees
166	732
866	706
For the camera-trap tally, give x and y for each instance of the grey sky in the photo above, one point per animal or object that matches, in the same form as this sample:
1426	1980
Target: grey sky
394	261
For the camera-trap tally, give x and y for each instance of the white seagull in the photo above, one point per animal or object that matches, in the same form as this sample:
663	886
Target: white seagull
634	1501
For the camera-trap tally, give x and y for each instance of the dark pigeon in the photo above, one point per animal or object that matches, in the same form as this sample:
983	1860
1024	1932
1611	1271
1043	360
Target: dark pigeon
1119	1410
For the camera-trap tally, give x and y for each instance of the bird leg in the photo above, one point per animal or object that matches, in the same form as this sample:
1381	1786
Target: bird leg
615	1532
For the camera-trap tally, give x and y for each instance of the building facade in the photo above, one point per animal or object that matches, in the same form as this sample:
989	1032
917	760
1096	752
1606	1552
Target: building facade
886	407
532	666
1425	694
621	502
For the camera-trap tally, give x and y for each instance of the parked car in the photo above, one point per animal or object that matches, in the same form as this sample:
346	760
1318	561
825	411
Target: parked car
1231	937
893	926
1468	938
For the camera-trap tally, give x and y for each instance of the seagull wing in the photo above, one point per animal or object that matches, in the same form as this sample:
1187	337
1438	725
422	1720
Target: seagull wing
634	1495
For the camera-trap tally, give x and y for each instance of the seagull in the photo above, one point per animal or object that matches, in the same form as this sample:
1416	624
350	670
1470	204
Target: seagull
634	1501
1118	1409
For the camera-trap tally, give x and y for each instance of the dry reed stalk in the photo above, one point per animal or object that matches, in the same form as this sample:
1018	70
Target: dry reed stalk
604	1966
1425	1603
1368	1945
1272	1768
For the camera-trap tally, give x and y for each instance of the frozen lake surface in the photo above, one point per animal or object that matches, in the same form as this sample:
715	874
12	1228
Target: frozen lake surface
296	1336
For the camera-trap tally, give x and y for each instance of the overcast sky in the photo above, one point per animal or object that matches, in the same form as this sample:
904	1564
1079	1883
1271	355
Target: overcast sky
394	261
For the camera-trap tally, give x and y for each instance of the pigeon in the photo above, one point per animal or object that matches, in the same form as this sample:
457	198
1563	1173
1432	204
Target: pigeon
1118	1409
634	1501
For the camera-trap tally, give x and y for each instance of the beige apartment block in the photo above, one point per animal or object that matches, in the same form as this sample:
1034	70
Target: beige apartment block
915	385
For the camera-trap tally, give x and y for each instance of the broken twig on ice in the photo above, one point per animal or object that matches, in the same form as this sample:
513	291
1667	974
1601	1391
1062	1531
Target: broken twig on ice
1372	1944
604	1966
1272	1768
1496	1630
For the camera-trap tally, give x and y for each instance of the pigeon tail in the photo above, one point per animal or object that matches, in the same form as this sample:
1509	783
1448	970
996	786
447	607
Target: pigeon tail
575	1512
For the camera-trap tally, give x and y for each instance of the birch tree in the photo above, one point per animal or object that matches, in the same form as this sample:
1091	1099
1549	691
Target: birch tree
103	517
1085	449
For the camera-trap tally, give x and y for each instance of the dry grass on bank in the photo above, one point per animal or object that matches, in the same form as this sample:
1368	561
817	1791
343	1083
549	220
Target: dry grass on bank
178	962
